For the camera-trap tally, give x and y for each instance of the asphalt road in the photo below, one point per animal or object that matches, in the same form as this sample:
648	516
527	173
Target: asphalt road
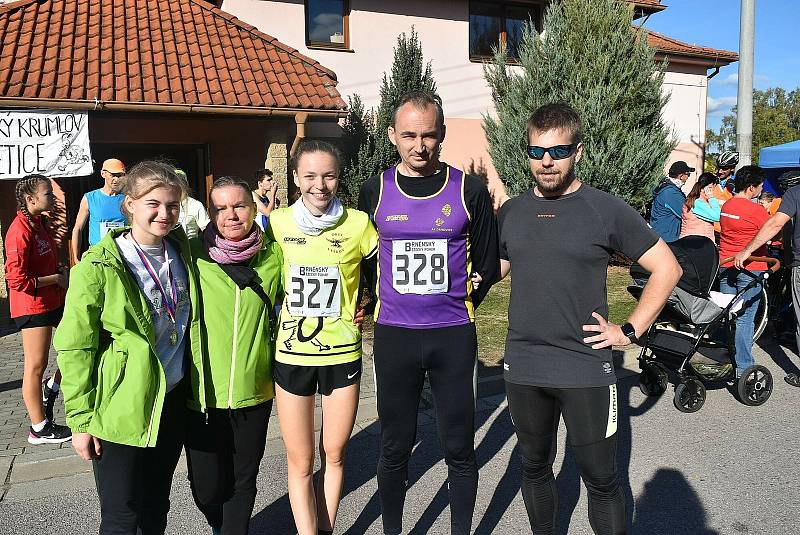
728	469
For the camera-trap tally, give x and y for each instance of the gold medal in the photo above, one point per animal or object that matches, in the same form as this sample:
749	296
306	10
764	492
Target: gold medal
173	337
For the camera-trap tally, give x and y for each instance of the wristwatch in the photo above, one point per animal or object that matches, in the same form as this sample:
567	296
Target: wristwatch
629	331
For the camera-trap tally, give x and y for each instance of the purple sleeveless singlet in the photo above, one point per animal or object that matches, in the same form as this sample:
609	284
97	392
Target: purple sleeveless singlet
416	237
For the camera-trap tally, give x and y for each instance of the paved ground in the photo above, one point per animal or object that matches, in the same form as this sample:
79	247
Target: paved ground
728	469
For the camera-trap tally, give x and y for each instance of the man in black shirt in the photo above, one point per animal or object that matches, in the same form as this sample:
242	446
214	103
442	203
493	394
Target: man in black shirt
436	228
558	237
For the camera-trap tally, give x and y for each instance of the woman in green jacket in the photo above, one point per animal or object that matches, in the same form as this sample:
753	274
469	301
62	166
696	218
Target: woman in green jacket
129	329
239	271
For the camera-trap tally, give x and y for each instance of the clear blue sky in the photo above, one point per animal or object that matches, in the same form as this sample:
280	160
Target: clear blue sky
715	23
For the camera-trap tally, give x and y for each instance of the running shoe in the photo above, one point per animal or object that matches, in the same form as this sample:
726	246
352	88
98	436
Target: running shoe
50	434
49	399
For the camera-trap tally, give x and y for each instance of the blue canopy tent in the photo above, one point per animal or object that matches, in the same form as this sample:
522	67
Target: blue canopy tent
777	160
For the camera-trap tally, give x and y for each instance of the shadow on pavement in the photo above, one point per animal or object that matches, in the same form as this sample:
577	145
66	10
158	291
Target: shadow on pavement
775	349
10	385
361	462
669	504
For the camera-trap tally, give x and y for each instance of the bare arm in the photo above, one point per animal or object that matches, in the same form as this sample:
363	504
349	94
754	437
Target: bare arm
773	225
262	208
505	268
664	274
80	221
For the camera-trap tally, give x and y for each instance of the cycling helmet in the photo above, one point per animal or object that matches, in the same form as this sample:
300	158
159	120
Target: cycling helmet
728	158
789	179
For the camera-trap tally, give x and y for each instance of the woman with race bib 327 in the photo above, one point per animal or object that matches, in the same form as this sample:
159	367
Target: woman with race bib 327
319	345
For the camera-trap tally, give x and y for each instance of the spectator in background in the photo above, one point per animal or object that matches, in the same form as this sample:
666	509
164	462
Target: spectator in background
789	209
36	287
101	207
741	220
194	217
668	201
766	199
264	196
770	202
701	210
726	165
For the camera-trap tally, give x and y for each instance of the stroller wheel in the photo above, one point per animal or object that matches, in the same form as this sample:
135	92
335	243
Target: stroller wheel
754	386
690	395
652	379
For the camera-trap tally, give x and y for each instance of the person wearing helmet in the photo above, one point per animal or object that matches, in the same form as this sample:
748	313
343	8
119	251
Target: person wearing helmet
789	209
726	165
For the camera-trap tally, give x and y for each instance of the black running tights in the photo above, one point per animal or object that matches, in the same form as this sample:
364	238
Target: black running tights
402	358
590	415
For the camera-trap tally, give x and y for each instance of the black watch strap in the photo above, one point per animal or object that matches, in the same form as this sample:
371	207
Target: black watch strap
629	331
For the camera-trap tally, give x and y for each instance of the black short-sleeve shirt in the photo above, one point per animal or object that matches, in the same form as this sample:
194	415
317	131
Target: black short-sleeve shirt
559	250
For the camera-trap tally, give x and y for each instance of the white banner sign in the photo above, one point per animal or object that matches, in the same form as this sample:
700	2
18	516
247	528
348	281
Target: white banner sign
51	143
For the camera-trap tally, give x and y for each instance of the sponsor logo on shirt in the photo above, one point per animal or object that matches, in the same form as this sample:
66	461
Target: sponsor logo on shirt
334	243
607	368
397	217
292	239
546	216
506	367
447	210
42	247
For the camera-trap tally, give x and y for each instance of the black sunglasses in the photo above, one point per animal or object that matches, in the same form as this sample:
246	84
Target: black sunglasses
115	175
557	152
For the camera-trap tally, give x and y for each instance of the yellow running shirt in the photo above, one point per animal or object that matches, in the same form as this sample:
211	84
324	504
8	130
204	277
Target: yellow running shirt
321	277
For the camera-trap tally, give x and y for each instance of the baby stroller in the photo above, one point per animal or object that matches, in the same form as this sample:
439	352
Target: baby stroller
693	336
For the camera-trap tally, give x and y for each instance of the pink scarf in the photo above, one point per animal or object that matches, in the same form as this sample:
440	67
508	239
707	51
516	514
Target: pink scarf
225	251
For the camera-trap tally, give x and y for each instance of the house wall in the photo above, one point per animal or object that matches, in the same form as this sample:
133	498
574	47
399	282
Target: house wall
443	28
685	114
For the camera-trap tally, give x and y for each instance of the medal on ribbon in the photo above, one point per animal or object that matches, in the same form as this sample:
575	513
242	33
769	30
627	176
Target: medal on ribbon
171	298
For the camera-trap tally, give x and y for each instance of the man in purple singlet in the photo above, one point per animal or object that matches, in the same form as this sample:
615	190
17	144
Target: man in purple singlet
436	227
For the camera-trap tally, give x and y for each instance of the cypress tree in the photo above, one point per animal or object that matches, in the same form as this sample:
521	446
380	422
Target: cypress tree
591	57
367	146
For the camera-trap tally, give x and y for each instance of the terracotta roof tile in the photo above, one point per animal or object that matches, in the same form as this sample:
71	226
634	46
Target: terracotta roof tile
670	46
160	51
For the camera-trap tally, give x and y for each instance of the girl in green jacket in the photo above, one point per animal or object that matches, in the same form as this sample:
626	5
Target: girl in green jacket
123	349
239	271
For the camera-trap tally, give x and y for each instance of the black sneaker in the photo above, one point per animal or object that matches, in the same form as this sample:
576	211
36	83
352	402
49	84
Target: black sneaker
49	399
50	434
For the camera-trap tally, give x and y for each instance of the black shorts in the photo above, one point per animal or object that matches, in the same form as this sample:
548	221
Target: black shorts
45	319
308	380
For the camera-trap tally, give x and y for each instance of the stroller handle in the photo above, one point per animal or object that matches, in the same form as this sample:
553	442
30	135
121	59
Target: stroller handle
773	263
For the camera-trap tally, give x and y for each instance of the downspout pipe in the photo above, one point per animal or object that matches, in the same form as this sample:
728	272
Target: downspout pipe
300	120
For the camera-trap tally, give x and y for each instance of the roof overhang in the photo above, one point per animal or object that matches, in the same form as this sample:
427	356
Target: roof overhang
644	8
145	107
707	62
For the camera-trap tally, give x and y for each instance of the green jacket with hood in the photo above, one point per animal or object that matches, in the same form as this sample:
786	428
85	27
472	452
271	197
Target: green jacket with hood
113	381
236	370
